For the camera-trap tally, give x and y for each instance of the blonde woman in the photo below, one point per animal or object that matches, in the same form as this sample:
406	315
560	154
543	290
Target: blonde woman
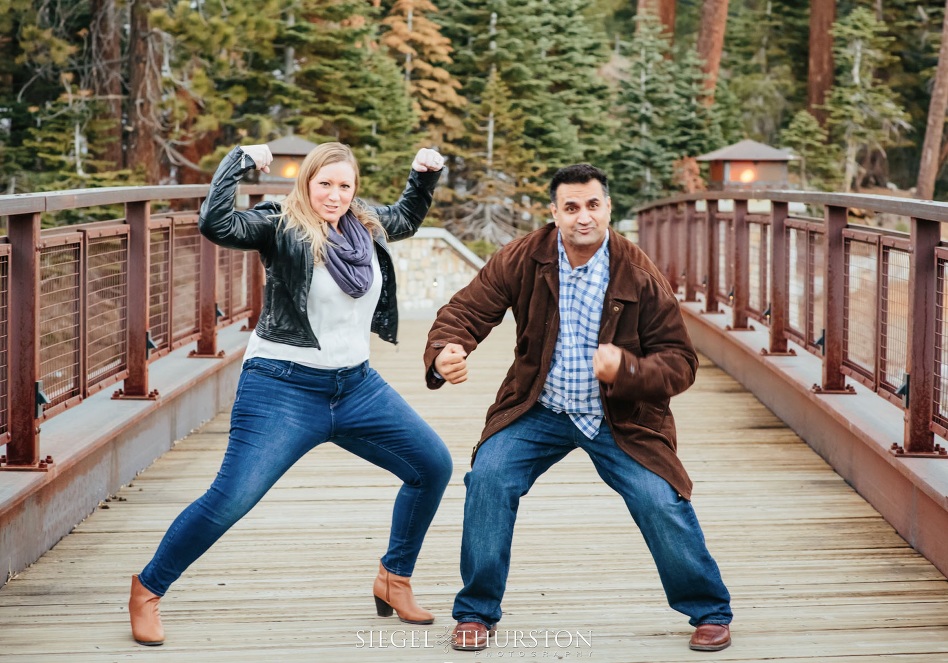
306	377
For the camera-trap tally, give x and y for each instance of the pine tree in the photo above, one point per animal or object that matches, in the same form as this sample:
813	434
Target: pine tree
759	71
57	132
644	156
865	115
817	163
501	197
386	152
697	126
356	93
572	52
417	43
547	54
218	84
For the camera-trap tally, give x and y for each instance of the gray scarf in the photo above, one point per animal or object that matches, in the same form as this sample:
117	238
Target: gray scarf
349	256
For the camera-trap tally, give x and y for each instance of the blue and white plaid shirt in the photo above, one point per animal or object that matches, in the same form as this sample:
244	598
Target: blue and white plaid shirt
570	386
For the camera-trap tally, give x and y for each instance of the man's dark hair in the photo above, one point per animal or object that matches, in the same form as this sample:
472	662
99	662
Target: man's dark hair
578	173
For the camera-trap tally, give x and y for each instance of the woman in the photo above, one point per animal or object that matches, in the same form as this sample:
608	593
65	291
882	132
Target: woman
306	378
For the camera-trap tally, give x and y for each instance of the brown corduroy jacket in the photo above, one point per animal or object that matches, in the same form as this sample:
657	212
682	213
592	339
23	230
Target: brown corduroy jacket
640	315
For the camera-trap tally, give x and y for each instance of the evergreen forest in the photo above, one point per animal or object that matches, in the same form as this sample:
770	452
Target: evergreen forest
124	92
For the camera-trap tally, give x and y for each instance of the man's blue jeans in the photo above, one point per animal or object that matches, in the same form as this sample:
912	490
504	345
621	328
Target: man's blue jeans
282	411
505	468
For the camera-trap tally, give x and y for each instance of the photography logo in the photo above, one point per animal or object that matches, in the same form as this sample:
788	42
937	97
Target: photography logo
534	643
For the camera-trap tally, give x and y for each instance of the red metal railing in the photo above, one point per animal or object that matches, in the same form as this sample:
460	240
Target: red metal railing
86	306
844	292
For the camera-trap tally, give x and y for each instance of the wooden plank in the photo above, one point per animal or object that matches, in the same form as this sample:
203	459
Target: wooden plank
815	573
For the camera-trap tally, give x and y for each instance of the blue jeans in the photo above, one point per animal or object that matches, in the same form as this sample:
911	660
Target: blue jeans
283	410
505	468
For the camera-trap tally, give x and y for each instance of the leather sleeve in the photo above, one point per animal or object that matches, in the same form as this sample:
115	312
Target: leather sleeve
403	219
252	229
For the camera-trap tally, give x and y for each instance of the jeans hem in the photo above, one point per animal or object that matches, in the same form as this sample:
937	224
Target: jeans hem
477	620
392	572
145	585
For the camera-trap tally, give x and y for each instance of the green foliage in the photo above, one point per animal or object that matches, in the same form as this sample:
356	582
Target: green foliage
758	61
865	115
665	114
817	165
354	92
510	90
533	64
501	195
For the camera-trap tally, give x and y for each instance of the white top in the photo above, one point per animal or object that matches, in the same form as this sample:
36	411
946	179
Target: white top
342	325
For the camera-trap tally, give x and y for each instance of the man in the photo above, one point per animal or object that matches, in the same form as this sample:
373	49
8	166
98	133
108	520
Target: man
601	348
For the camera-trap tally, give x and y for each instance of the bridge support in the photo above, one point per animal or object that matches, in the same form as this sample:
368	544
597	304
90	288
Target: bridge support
24	339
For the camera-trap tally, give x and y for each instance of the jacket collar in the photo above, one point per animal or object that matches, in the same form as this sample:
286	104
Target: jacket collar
546	251
621	259
622	263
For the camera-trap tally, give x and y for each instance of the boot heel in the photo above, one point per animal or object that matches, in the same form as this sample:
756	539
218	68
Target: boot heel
383	608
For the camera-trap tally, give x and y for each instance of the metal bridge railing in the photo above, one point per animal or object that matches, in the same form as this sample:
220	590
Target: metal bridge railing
871	303
86	306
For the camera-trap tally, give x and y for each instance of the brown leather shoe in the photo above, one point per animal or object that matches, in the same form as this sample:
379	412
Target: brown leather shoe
470	636
711	637
393	592
143	613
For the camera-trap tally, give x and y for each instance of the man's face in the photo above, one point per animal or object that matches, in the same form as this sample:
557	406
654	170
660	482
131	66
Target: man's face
581	213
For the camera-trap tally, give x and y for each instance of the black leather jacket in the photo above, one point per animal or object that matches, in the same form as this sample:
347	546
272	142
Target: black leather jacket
288	258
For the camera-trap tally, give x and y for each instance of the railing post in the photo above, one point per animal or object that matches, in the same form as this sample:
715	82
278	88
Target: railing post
23	451
640	231
834	288
920	360
713	252
779	301
655	237
741	268
651	235
138	218
257	278
690	254
207	302
672	245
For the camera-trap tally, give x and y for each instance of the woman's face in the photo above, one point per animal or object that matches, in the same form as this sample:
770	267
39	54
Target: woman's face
331	191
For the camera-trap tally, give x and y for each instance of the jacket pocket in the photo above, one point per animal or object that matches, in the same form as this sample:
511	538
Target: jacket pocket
652	416
273	368
627	328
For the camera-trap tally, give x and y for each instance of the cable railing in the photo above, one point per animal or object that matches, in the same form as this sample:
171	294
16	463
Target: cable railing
84	307
871	303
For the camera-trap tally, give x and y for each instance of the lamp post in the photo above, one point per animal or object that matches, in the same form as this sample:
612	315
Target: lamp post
288	154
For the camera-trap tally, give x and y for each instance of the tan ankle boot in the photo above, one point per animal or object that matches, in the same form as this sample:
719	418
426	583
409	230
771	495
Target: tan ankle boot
394	592
143	613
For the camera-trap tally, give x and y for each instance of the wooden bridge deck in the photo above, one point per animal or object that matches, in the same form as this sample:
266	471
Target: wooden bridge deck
816	574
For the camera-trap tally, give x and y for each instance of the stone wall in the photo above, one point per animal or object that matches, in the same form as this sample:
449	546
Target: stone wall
430	268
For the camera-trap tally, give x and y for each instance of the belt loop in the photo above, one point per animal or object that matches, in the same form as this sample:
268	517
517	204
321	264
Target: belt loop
365	368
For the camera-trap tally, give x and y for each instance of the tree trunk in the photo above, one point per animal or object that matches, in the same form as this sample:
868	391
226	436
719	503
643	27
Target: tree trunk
851	170
711	41
928	166
106	73
663	9
144	83
820	77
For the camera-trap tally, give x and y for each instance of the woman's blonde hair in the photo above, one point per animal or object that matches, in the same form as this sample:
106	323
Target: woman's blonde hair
299	214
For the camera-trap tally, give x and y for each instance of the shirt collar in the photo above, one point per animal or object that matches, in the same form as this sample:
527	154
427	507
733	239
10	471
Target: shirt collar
566	268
